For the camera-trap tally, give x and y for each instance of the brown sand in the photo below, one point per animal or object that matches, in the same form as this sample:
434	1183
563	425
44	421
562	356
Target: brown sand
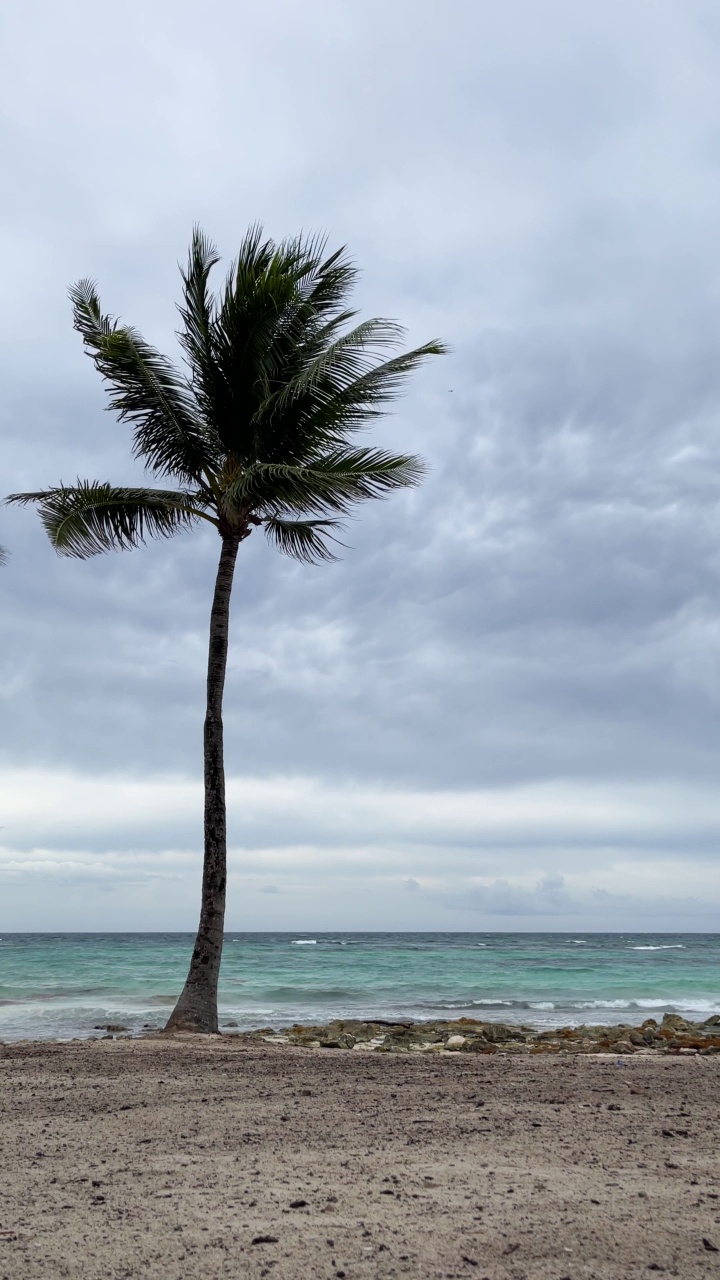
171	1160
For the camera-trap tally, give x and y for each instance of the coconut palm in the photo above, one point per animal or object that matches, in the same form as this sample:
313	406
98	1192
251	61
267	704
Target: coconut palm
256	431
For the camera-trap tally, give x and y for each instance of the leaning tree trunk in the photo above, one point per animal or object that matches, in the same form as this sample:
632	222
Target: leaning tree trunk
196	1010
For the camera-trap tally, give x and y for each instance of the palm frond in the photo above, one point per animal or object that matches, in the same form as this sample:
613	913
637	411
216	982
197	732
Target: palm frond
338	363
332	482
85	519
304	540
3	555
197	312
146	389
322	417
385	382
257	292
280	308
331	280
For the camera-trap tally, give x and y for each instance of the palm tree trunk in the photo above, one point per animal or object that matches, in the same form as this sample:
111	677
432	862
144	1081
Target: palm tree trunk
196	1010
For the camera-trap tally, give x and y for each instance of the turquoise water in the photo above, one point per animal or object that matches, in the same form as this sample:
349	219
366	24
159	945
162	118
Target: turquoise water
56	986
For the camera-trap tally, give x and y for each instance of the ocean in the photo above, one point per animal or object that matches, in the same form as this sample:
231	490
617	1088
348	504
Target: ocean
56	986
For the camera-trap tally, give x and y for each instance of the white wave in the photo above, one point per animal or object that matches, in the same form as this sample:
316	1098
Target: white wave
542	1004
689	1006
668	946
600	1004
304	942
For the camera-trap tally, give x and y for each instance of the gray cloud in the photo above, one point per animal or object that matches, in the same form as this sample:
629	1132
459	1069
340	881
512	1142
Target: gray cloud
537	186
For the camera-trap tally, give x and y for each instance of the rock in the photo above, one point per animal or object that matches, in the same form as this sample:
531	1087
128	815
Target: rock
231	1024
469	1035
264	1240
109	1026
343	1041
499	1033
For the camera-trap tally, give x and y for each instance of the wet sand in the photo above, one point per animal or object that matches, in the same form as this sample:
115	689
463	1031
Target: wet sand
185	1159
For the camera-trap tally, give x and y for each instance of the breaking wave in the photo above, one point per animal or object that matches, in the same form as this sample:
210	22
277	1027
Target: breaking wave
668	946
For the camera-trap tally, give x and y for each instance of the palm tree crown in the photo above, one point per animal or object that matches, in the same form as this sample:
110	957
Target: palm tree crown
258	430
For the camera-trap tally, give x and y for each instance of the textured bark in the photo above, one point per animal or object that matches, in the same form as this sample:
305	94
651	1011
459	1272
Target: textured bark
196	1010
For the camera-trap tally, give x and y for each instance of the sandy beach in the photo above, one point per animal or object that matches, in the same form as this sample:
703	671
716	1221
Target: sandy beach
217	1158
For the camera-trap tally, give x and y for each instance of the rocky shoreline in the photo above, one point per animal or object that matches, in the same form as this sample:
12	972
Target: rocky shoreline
674	1035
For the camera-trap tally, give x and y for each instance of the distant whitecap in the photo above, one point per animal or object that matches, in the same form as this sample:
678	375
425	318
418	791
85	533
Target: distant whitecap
668	946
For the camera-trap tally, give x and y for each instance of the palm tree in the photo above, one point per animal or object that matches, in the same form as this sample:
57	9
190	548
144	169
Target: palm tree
256	432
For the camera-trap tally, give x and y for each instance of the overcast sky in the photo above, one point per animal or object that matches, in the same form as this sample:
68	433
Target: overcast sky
500	709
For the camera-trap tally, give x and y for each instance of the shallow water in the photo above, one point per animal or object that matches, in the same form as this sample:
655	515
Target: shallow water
56	986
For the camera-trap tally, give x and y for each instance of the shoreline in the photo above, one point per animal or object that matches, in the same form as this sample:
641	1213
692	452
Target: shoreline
673	1035
472	1035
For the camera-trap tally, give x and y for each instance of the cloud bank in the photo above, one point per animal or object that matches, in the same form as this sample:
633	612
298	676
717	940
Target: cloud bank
512	676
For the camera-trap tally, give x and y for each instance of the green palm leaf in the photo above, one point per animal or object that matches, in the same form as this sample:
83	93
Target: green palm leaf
357	403
84	519
304	540
333	482
338	363
341	391
197	311
146	389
